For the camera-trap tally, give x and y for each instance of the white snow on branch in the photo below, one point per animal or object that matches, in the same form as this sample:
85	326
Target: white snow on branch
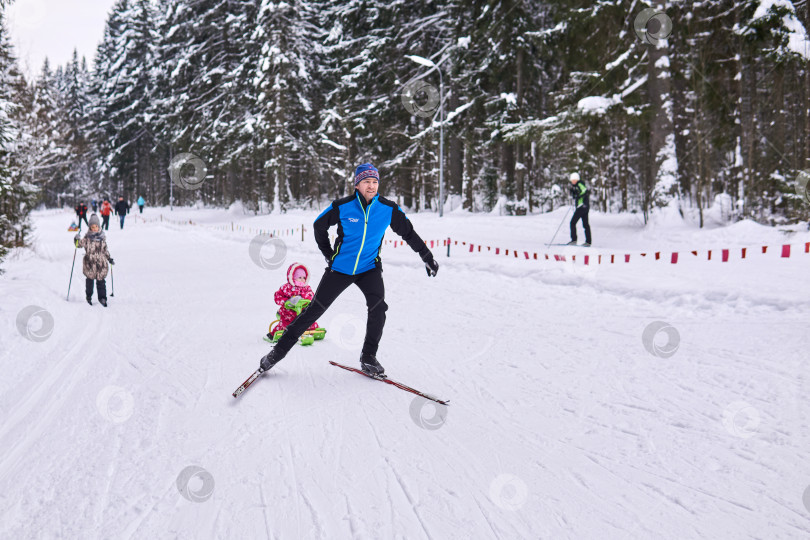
798	41
596	104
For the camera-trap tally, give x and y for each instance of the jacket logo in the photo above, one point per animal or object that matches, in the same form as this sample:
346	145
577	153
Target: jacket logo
353	220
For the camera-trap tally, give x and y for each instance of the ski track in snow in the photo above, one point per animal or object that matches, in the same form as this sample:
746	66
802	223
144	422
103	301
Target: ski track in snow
561	424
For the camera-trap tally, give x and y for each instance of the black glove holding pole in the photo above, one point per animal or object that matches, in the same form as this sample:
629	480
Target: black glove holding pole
430	264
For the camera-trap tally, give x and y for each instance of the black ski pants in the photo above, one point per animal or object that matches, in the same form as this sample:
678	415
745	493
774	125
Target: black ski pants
105	222
580	213
331	286
101	285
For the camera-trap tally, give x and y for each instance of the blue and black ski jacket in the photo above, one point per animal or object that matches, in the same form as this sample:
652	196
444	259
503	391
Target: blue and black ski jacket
360	232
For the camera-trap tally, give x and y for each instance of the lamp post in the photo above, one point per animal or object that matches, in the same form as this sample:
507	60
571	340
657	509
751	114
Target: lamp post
429	63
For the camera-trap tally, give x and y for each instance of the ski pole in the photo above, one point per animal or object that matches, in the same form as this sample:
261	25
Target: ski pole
71	272
112	279
558	227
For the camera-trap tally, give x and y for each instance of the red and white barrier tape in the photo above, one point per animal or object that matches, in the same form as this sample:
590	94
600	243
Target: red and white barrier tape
725	254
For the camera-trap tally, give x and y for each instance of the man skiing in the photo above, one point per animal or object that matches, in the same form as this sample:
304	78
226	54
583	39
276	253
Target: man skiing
106	210
362	219
81	211
581	195
121	209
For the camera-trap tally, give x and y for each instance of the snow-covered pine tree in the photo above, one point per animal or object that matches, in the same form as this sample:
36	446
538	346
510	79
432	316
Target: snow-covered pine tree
123	92
47	152
17	192
283	87
204	103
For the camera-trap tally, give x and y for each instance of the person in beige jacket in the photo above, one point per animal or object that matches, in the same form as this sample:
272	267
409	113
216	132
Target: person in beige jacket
96	257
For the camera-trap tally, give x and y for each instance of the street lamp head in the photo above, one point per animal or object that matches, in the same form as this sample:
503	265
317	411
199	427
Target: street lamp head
420	60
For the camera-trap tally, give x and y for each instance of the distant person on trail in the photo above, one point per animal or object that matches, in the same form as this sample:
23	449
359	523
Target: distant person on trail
362	219
581	195
81	211
121	209
95	261
94	205
106	210
141	202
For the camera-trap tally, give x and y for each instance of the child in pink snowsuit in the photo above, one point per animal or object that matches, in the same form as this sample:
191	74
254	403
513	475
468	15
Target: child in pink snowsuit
295	288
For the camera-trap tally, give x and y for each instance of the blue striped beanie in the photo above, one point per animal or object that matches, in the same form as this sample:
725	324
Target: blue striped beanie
366	170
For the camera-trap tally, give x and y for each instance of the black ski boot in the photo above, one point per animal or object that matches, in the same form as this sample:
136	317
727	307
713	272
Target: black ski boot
90	300
369	364
269	360
102	301
571	243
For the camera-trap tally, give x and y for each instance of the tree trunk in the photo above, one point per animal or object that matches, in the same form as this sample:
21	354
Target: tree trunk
807	95
468	175
454	163
662	142
623	170
520	173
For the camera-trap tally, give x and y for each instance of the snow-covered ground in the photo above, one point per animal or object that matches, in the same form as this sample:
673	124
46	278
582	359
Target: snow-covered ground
627	400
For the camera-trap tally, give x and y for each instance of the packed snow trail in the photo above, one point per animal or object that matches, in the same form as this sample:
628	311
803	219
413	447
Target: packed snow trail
562	424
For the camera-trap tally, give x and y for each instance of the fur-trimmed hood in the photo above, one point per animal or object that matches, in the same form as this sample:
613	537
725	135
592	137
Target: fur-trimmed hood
291	270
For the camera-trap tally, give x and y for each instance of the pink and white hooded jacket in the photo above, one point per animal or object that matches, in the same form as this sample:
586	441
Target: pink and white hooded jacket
290	289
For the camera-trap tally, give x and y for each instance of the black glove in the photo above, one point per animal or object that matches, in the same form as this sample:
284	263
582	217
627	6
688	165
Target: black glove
431	266
112	261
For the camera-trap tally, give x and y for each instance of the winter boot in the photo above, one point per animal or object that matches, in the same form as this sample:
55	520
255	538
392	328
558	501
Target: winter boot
369	364
269	360
571	243
586	244
102	301
90	300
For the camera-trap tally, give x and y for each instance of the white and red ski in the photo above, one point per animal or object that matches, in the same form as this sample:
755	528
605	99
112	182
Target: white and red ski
385	379
250	380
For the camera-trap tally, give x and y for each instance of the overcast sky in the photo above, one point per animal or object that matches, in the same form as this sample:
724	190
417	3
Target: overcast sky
53	28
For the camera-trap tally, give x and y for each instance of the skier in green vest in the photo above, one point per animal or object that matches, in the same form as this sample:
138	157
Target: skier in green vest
581	195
